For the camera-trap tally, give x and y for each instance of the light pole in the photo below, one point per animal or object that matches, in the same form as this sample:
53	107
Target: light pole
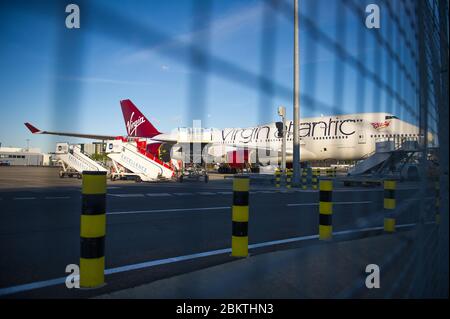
282	114
296	146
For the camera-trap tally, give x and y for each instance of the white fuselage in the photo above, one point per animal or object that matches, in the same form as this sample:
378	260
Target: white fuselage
340	137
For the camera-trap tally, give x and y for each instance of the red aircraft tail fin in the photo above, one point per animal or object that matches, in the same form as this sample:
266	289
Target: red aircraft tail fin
136	123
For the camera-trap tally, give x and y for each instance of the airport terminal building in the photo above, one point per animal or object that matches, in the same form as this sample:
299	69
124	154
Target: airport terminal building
15	156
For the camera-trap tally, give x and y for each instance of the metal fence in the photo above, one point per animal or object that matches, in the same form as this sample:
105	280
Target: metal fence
400	68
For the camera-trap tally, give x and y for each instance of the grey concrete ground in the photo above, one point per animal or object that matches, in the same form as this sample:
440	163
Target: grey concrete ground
47	176
39	228
331	270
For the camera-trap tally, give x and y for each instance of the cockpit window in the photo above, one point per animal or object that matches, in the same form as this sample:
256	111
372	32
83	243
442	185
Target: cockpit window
389	117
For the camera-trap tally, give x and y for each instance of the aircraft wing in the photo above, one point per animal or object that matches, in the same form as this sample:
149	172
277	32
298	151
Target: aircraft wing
35	130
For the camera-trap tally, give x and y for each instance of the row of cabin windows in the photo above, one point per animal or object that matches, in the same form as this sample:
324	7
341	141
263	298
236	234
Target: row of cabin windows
266	140
395	135
11	156
330	137
387	117
290	139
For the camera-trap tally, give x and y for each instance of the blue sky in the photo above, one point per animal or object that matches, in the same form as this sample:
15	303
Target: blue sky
73	80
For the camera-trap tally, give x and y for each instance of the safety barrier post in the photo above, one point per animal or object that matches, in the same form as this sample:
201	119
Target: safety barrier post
389	205
438	199
304	178
314	179
288	178
239	238
277	178
93	229
325	209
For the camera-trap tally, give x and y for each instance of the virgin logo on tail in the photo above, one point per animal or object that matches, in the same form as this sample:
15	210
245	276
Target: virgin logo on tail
133	125
141	127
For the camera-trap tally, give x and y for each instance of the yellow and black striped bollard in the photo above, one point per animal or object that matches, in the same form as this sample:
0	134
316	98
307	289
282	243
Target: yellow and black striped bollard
438	199
289	178
93	229
314	179
277	178
239	238
304	178
325	209
389	205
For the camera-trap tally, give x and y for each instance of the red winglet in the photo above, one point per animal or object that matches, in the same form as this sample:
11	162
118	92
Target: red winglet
31	128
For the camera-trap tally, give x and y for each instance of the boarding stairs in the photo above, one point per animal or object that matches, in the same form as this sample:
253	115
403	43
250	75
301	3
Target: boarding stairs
387	155
74	160
133	156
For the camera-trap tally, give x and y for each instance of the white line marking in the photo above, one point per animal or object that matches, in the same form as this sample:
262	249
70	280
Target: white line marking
206	193
152	263
334	203
32	286
414	199
358	190
127	195
265	192
184	194
24	198
379	189
57	197
346	203
168	210
158	194
303	204
225	193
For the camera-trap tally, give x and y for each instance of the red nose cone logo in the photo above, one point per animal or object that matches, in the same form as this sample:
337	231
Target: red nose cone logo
380	125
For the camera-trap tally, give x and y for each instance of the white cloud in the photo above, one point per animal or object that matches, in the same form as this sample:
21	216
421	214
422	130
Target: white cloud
96	80
219	28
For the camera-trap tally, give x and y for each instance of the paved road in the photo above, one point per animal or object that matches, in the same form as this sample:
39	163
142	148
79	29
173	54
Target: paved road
39	229
335	269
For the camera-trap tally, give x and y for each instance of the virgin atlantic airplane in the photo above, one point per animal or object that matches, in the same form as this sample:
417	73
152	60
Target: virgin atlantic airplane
338	137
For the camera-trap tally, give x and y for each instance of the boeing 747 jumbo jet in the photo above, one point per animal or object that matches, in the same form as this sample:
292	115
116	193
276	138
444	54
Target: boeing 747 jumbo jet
339	137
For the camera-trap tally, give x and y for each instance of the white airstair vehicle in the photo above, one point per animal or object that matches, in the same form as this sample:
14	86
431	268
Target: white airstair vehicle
74	161
389	153
132	156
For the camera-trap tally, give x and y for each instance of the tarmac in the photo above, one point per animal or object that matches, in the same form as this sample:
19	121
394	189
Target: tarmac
335	269
156	231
